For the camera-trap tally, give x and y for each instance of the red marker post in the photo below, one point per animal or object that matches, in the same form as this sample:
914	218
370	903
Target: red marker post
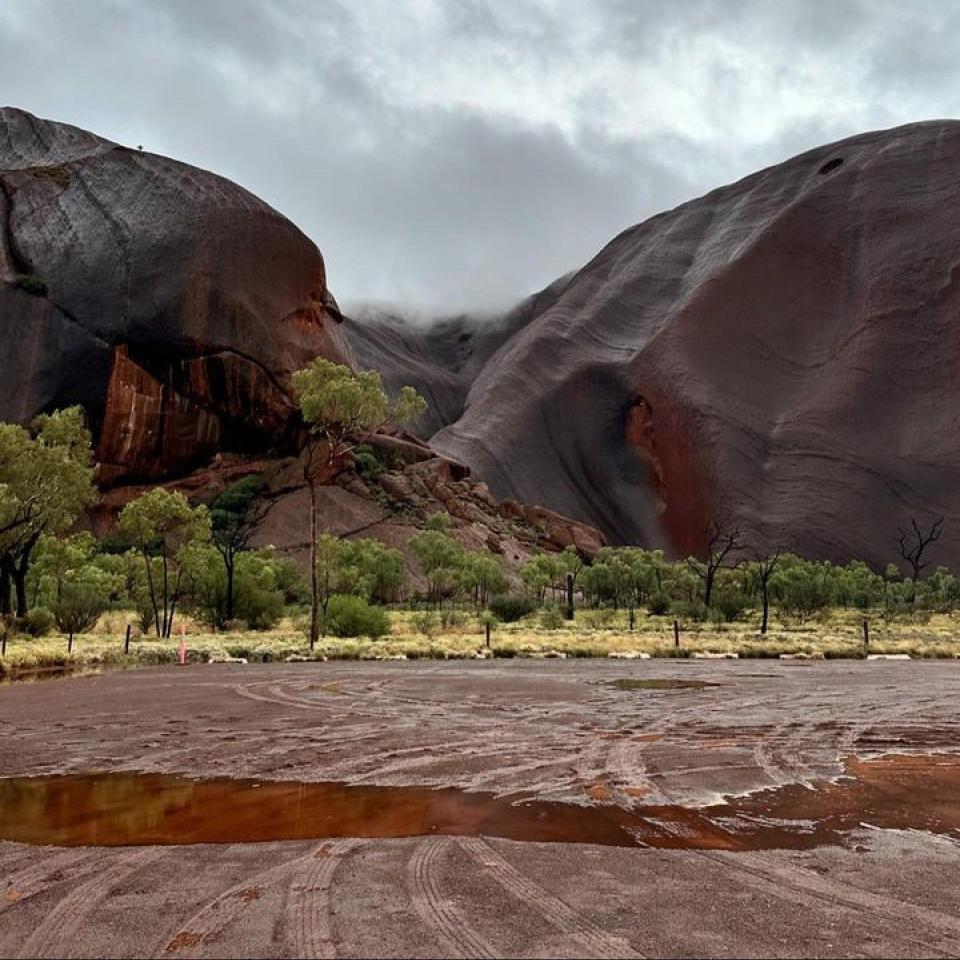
183	644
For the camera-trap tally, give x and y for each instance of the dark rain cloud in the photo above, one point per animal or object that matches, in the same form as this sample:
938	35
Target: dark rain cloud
460	155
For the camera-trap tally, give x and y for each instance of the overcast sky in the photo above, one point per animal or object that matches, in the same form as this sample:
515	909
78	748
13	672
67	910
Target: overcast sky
461	155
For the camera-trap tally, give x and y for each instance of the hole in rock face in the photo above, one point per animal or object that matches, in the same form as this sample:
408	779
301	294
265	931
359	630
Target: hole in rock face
830	165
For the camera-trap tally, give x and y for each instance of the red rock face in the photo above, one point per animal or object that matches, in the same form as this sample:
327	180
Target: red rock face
794	340
168	301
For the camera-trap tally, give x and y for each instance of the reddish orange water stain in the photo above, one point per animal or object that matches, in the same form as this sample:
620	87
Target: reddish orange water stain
132	809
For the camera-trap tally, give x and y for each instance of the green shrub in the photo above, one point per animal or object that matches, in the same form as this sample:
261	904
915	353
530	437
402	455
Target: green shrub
551	617
598	619
425	622
452	619
367	462
508	608
38	622
260	608
695	610
729	605
349	616
659	605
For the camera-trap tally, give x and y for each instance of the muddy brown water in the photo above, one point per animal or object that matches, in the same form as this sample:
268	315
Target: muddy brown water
131	809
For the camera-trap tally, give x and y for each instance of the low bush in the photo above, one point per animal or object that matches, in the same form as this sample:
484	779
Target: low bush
367	463
694	610
453	619
38	622
597	619
659	605
551	617
425	622
349	616
509	609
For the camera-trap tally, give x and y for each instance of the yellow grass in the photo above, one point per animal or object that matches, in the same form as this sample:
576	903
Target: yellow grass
837	635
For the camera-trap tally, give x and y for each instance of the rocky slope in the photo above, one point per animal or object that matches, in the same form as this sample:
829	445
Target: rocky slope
391	506
777	355
167	300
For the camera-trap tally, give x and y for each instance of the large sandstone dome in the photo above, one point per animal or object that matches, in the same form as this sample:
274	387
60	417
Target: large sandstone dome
780	355
170	302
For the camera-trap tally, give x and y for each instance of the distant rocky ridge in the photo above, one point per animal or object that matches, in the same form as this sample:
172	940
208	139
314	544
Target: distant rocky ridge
778	355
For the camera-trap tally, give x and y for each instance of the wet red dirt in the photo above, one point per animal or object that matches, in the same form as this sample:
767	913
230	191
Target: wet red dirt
491	809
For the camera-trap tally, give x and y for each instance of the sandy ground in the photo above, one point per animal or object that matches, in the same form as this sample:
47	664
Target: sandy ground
557	730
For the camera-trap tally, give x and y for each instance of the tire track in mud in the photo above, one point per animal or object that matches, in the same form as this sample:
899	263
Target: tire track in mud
791	883
440	914
29	882
309	900
625	754
595	941
208	923
798	885
51	937
284	698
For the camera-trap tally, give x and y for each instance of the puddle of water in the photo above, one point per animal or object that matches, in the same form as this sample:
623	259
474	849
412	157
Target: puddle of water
662	684
131	809
128	809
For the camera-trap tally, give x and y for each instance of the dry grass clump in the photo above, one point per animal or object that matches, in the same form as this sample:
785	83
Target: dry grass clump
458	634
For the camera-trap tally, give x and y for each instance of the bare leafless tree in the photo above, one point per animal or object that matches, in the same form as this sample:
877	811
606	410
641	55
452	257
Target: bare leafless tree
766	563
913	544
722	545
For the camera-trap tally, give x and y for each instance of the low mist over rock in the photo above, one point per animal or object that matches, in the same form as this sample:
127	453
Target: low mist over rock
777	355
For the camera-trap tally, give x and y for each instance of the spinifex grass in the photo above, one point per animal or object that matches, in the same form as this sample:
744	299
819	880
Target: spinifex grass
838	635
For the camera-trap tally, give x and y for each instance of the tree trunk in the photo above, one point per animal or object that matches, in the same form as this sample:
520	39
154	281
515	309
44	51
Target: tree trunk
314	587
6	590
166	593
766	606
19	569
708	586
153	595
228	563
20	585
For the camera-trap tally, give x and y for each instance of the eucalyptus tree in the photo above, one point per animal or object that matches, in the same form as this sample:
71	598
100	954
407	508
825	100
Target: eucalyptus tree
341	409
46	481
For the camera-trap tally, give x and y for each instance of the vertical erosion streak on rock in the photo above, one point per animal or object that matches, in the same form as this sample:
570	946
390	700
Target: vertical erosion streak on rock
148	427
180	412
675	479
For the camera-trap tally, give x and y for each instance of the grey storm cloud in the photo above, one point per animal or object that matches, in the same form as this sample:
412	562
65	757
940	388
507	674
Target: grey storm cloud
460	155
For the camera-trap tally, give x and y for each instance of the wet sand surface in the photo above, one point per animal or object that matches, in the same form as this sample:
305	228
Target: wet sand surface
505	808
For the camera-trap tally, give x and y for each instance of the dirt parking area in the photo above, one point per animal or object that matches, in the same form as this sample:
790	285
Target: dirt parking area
484	809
